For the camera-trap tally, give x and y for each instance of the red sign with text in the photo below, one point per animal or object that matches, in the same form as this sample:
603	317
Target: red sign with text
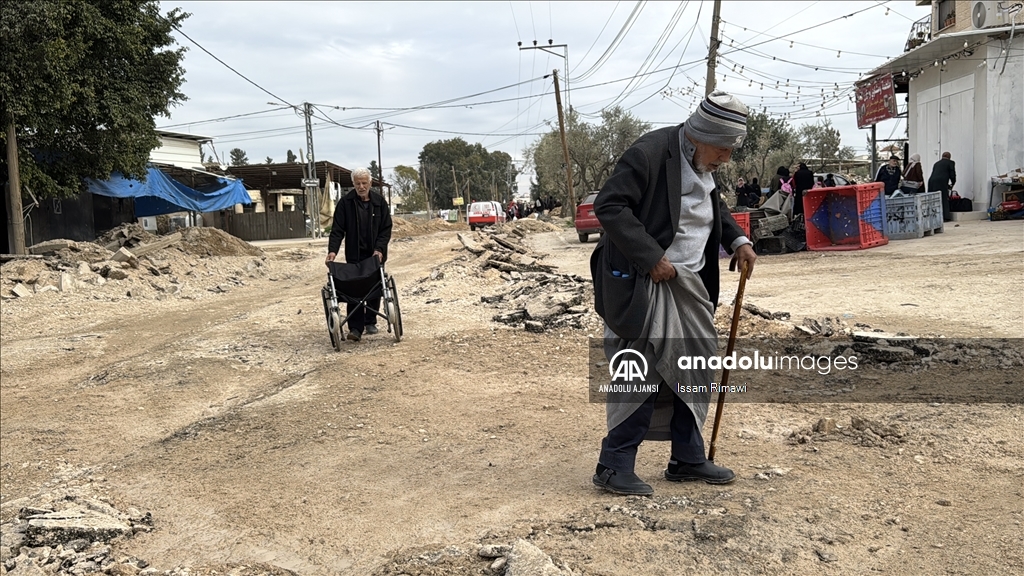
876	101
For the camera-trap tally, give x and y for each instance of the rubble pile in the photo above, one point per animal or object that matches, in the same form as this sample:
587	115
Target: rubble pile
538	298
877	348
70	535
522	558
140	265
862	431
400	227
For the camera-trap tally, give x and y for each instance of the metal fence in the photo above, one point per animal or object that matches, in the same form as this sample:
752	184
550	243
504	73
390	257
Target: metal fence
267	225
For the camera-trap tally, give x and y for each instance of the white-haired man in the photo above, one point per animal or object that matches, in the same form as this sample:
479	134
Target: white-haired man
656	285
362	219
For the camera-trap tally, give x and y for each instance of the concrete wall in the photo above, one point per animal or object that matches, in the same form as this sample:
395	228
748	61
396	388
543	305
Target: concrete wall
1004	110
973	112
177	151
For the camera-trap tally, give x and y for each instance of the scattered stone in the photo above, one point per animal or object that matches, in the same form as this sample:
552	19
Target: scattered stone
122	255
525	559
826	556
494	550
84	268
943	502
21	291
825	426
66	283
114	273
49	246
498	566
533	326
74	523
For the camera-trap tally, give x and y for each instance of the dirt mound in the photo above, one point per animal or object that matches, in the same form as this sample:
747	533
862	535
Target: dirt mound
402	227
529	225
214	242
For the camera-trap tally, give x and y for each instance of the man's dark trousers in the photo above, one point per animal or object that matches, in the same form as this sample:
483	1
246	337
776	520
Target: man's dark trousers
357	320
619	447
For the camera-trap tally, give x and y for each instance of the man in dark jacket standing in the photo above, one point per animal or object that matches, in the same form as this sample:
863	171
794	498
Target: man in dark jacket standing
943	179
803	180
890	175
363	220
656	283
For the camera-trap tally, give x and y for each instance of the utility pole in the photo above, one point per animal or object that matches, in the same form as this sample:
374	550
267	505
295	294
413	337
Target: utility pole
380	167
565	146
713	49
15	218
564	55
457	194
311	182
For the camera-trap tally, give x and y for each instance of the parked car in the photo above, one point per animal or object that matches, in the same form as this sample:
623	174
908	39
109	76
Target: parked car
485	214
840	181
586	222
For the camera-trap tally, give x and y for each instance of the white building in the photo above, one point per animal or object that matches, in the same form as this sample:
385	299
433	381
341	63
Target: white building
963	74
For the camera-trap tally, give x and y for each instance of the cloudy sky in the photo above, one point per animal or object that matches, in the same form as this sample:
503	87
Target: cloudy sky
435	70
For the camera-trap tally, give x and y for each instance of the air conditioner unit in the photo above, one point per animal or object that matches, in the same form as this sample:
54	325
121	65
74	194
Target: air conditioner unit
986	14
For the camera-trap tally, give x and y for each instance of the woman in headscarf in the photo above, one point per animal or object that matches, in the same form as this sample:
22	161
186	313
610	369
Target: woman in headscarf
913	176
782	181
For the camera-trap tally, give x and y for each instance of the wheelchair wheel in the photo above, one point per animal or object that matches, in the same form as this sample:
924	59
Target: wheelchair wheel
394	312
333	318
335	326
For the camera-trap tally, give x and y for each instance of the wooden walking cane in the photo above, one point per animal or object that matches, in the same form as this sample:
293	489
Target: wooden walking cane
737	306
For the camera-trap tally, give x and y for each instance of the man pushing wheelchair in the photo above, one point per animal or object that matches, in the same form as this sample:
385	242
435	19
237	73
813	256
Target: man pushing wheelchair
362	219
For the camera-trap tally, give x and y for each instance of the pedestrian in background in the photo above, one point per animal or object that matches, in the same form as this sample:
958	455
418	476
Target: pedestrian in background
943	179
890	175
913	176
803	180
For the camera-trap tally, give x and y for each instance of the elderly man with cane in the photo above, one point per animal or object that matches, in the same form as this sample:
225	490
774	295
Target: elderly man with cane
656	285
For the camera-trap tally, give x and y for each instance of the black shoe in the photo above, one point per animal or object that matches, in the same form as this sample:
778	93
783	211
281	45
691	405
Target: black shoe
355	335
626	483
707	471
371	329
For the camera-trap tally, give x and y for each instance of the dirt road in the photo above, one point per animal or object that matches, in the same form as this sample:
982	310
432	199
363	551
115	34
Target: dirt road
229	417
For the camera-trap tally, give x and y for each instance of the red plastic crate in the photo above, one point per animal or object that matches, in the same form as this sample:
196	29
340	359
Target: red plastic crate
743	219
845	217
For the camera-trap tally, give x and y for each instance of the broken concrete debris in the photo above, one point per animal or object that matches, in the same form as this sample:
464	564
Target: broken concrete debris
539	298
70	536
66	266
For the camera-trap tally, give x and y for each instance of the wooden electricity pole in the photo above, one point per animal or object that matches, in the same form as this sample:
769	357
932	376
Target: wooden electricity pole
458	211
380	166
565	147
709	86
15	218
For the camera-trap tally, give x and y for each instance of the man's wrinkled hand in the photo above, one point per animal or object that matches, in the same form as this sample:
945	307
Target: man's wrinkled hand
663	270
379	255
743	255
330	258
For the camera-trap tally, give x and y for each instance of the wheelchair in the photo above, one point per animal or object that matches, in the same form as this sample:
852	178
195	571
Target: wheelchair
355	284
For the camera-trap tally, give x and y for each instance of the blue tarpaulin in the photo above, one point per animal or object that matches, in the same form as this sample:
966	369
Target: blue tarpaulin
161	194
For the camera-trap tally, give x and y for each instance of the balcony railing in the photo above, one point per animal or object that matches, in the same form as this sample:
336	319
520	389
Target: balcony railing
920	32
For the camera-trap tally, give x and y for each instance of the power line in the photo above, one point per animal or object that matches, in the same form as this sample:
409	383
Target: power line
809	45
626	27
223	118
510	7
805	29
606	22
243	76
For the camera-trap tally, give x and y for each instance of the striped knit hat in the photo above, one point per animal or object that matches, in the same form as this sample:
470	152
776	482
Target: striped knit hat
720	120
